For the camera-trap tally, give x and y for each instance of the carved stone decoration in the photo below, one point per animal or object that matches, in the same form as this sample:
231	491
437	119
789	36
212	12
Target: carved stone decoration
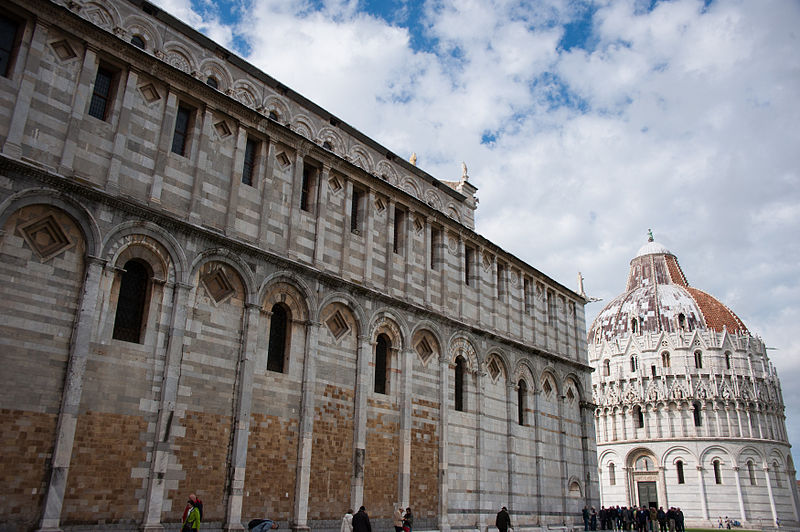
701	391
487	261
63	50
222	129
178	61
419	224
493	369
514	277
386	325
217	285
337	325
424	349
334	185
149	93
461	346
452	243
45	236
678	391
99	16
283	160
432	199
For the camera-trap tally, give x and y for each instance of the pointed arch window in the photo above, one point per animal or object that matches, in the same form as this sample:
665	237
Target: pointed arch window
382	346
665	362
522	393
634	363
727	360
717	472
698	359
459	383
698	418
606	368
132	302
638	416
679	469
634	325
278	338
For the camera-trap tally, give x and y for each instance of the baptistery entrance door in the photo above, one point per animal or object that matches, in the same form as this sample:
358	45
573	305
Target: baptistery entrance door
648	494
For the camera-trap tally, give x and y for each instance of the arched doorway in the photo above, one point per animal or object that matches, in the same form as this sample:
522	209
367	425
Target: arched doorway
644	479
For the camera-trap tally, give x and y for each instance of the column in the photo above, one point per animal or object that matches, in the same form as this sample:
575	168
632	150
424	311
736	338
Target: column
295	189
369	224
444	409
662	485
306	429
79	102
481	446
71	398
538	442
702	492
588	457
244	399
360	421
426	266
321	210
391	212
266	188
739	493
600	481
793	492
236	181
769	493
406	409
561	452
164	147
166	410
22	104
346	232
121	134
629	498
645	421
511	440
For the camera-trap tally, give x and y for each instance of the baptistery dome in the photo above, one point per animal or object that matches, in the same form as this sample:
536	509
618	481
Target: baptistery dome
658	298
689	409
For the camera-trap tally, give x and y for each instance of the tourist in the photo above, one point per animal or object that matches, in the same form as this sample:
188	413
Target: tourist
662	519
585	514
261	525
347	522
408	520
192	520
361	521
503	520
593	519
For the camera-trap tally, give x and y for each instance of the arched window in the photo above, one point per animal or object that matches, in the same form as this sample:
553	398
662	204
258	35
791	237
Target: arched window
212	82
638	416
634	325
606	368
698	419
612	475
679	469
459	382
751	472
698	359
382	346
717	472
665	359
727	360
776	469
132	302
644	463
634	363
278	338
681	321
522	393
137	41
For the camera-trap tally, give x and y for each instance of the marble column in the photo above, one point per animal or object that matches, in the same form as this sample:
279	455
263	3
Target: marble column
360	421
770	494
701	485
739	493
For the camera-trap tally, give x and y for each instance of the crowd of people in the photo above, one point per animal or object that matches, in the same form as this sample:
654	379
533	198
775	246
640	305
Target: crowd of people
638	518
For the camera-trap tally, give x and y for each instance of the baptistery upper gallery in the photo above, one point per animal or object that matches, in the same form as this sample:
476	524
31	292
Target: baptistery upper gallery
689	411
212	285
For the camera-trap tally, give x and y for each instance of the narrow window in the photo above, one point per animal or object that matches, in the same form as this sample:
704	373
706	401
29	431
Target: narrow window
381	359
727	361
137	41
182	124
638	416
679	468
665	359
634	363
527	294
459	383
717	473
9	30
436	245
522	393
131	304
469	257
634	324
551	308
307	189
101	93
501	281
250	150
751	472
681	321
398	238
212	82
698	419
606	368
653	370
698	359
278	338
612	475
355	207
778	475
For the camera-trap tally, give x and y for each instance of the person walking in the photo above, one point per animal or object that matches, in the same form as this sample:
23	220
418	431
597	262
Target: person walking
397	519
191	522
503	520
408	520
585	515
361	521
347	522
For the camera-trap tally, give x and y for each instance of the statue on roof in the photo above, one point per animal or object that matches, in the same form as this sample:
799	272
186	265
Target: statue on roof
650	235
464	175
413	159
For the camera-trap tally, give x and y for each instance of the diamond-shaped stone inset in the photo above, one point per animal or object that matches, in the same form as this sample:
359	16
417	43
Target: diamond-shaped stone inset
570	395
283	159
418	225
547	387
149	93
424	349
334	184
63	50
222	128
45	236
337	325
494	369
380	205
218	286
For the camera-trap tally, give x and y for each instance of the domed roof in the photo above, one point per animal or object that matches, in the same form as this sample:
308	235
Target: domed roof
658	298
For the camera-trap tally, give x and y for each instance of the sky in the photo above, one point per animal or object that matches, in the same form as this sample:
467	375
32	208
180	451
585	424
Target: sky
583	124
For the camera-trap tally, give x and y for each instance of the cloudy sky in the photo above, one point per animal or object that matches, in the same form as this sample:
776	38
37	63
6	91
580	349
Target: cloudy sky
583	124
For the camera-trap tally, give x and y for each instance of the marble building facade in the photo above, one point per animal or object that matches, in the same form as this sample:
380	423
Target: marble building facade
212	285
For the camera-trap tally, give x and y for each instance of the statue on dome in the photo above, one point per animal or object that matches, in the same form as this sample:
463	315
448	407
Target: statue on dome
650	235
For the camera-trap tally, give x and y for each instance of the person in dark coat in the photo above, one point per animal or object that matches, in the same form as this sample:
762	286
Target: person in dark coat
585	515
361	521
503	521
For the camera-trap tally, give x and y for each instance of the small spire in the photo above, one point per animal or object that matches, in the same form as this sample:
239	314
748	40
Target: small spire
650	235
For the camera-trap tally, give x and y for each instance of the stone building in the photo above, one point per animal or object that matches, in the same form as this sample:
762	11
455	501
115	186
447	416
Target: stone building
209	284
689	407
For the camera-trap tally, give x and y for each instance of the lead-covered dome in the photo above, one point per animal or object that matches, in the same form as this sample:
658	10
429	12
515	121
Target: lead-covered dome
658	298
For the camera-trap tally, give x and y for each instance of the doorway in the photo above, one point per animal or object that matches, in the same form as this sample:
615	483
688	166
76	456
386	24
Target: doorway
648	495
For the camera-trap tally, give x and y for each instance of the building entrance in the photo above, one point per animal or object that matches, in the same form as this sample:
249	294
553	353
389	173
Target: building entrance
648	495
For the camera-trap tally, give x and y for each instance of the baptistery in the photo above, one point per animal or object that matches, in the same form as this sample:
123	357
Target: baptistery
689	411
